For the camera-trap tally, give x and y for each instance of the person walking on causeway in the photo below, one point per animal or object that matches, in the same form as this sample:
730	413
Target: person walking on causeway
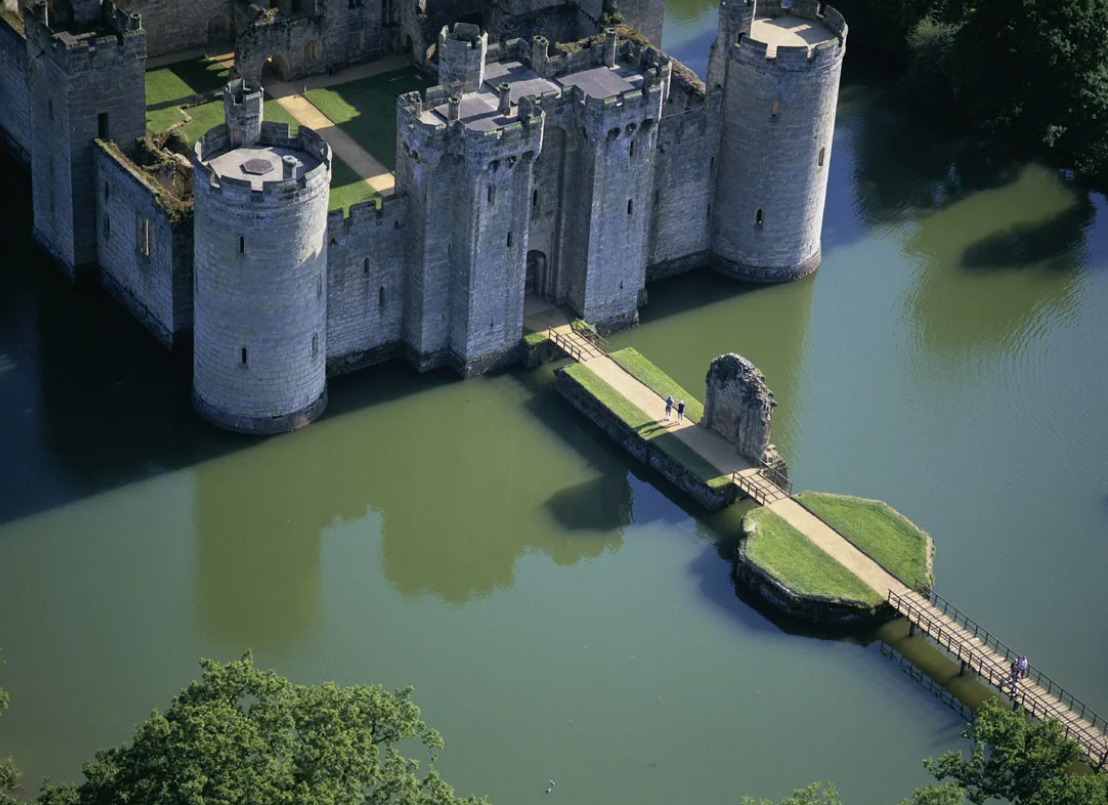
669	407
680	412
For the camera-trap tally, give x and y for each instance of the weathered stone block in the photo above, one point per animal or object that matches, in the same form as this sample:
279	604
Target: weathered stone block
738	404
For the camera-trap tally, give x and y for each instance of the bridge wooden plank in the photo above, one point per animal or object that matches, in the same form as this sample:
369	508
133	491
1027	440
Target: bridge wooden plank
995	668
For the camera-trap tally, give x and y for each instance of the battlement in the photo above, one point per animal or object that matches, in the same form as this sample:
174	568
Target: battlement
298	178
390	211
243	110
768	46
462	54
114	38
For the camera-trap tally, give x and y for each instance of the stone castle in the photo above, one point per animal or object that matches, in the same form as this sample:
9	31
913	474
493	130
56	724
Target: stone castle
575	172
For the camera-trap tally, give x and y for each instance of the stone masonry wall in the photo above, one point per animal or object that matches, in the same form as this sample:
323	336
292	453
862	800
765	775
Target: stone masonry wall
684	187
738	405
778	122
15	116
145	252
176	25
71	86
366	268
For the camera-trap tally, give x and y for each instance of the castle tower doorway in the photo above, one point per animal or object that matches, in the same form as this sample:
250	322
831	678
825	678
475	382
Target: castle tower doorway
218	30
275	67
535	281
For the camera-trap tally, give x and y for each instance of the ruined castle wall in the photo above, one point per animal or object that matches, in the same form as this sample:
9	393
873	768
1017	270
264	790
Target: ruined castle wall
145	251
684	186
297	42
15	115
366	262
176	25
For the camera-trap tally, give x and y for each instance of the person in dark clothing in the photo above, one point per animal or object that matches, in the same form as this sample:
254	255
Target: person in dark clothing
681	412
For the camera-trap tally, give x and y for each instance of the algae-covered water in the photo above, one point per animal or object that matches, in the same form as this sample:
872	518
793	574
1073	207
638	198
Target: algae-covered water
562	612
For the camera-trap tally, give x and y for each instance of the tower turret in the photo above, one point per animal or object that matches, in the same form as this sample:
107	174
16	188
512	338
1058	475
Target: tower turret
260	262
736	17
462	56
242	109
780	86
86	80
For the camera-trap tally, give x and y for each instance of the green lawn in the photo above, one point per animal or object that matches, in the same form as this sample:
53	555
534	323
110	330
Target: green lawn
366	109
793	560
646	427
182	80
347	187
889	537
658	381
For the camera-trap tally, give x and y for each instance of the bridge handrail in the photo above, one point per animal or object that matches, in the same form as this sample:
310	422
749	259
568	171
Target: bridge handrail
997	675
1051	687
566	345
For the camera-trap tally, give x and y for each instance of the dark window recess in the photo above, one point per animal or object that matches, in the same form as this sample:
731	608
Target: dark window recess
535	198
244	356
365	267
822	155
492	194
242	245
632	149
775	109
102	126
319	287
759	219
381	296
315	344
509	240
630	206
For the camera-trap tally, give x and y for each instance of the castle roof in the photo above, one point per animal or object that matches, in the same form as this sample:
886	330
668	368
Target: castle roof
261	163
480	110
790	31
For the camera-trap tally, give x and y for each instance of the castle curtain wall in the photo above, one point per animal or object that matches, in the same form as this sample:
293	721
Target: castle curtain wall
15	115
366	267
145	252
175	25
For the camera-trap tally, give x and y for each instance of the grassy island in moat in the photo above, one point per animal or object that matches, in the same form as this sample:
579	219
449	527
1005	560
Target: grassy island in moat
790	559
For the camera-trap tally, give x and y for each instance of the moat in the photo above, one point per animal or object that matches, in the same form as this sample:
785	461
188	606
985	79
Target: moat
562	612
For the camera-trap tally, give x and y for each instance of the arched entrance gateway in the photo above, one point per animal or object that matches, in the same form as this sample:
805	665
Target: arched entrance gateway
275	67
218	30
535	279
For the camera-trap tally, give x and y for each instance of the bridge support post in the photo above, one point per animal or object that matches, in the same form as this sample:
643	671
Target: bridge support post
911	629
962	671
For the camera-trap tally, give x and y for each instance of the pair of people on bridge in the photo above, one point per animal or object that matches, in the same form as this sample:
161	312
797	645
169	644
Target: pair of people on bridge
680	409
1018	671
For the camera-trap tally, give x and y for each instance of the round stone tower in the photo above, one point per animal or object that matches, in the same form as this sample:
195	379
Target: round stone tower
780	77
260	262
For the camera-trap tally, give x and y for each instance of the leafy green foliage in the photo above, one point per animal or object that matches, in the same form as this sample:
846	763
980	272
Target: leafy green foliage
1020	760
242	735
815	794
947	794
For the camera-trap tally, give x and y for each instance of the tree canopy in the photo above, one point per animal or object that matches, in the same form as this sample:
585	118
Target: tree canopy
241	735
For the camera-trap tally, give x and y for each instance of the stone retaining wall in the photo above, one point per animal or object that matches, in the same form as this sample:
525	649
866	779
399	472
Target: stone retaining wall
642	449
811	608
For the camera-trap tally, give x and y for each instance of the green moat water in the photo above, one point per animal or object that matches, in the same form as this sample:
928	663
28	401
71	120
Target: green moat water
562	612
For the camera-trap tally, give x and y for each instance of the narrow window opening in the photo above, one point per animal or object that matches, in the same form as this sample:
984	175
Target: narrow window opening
774	109
759	219
535	199
319	287
632	153
365	267
712	163
107	227
102	126
492	194
243	356
709	210
509	240
50	108
822	154
242	244
107	191
315	344
381	296
630	206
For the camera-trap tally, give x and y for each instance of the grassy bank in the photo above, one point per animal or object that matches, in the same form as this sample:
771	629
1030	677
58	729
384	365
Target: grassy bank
793	560
889	537
657	381
647	428
366	109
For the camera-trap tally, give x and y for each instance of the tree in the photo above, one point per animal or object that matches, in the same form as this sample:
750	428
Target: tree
947	794
815	794
242	735
1020	760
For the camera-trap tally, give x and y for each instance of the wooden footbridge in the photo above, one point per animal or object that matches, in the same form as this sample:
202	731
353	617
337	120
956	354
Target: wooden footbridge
926	611
984	655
